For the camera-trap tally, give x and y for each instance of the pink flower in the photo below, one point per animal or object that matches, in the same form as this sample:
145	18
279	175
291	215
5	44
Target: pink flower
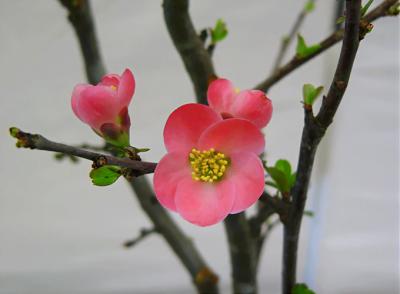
104	107
212	166
252	105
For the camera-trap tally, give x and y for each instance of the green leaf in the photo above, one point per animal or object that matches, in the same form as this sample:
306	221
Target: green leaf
309	7
310	93
284	166
308	213
219	32
340	19
301	289
303	50
365	8
279	178
272	184
105	175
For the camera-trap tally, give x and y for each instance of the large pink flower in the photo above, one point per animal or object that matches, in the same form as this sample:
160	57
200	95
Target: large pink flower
252	105
104	106
212	166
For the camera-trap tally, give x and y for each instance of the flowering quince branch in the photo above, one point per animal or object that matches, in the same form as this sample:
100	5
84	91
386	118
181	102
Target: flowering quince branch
203	277
35	141
381	10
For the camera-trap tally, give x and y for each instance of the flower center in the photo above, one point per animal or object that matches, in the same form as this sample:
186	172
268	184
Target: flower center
208	165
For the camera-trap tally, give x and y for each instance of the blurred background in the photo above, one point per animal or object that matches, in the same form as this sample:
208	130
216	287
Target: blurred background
61	234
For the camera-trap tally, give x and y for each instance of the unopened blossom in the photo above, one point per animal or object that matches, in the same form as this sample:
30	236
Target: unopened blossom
230	102
212	166
104	107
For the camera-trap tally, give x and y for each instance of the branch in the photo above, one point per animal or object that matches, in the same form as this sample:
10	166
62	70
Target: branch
142	235
381	10
197	61
203	277
35	141
313	131
288	39
80	16
243	254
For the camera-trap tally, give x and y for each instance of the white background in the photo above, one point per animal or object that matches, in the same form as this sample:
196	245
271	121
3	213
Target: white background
61	234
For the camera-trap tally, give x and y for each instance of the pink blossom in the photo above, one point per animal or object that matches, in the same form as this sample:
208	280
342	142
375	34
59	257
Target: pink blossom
252	105
104	107
212	166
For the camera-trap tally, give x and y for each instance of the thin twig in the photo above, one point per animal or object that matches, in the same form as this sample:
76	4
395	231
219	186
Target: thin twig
313	131
36	141
287	40
380	11
142	235
197	61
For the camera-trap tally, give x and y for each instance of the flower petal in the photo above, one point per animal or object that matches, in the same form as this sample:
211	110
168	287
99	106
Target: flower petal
233	135
220	95
247	172
185	125
254	106
76	96
204	204
110	80
97	106
171	169
126	88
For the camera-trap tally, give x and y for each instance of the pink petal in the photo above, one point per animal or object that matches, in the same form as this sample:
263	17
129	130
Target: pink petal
171	169
204	204
247	173
254	106
126	88
220	95
76	96
185	125
233	135
98	105
110	80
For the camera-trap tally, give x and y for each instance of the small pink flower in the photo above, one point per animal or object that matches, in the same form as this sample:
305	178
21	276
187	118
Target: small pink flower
252	105
211	168
104	107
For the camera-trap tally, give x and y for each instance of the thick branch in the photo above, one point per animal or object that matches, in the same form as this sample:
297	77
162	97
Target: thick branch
197	61
80	16
380	11
35	141
313	132
288	39
203	277
243	254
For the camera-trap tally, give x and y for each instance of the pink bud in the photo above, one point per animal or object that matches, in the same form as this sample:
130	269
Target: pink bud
104	107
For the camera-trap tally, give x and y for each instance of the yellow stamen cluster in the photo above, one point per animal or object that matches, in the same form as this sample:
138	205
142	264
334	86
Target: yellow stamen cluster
208	165
113	87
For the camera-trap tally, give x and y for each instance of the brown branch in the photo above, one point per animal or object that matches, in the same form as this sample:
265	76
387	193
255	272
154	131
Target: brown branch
243	254
80	17
197	61
288	39
380	11
142	235
203	277
313	131
35	141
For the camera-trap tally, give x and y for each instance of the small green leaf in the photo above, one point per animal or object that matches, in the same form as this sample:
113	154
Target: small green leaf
105	175
308	213
303	50
279	178
340	19
284	166
301	289
14	132
219	32
365	8
272	184
310	93
309	7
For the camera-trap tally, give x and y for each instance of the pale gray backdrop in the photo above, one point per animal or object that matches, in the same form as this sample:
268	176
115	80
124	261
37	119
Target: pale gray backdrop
61	234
